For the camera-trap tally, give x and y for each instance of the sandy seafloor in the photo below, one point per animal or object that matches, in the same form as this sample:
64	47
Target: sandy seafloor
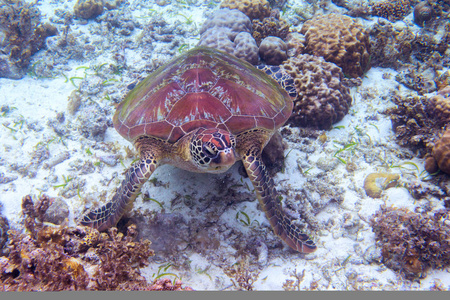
346	257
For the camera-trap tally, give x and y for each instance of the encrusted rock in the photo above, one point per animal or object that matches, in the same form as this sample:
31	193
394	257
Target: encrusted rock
338	39
57	212
322	98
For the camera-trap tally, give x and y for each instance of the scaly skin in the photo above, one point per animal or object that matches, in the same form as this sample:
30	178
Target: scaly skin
109	214
251	144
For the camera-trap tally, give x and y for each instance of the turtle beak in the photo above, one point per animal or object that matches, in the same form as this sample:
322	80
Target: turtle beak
224	160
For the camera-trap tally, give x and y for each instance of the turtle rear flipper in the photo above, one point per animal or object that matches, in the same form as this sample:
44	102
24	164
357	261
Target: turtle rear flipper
268	198
109	214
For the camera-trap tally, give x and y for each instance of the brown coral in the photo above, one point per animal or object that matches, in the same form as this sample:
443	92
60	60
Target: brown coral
273	50
322	98
440	155
270	26
414	125
338	39
411	242
88	9
439	107
392	10
254	9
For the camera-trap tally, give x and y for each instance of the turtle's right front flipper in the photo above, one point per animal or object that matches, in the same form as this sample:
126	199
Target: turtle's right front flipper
109	214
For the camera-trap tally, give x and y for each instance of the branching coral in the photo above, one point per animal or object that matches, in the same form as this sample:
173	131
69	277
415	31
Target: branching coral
411	242
24	35
63	258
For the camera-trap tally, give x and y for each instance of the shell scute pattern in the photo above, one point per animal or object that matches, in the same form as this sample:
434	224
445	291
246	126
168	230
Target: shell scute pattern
199	89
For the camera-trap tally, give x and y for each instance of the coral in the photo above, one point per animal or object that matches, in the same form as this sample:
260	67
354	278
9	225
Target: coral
423	12
295	43
270	26
229	31
440	155
414	124
411	242
322	99
392	10
394	47
423	82
24	35
80	258
88	9
376	183
273	50
233	19
338	39
439	107
254	9
244	275
246	48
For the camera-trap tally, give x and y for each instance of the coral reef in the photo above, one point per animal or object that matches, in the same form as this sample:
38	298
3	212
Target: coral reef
440	155
254	9
270	26
392	10
338	39
376	183
322	99
411	242
230	31
24	35
273	50
80	258
88	9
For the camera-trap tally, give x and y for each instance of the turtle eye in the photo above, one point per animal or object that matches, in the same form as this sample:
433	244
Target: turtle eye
210	150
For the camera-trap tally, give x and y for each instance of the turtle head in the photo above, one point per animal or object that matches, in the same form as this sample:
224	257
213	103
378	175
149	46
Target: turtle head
213	150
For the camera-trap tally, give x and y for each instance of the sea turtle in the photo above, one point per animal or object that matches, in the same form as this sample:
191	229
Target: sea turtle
201	112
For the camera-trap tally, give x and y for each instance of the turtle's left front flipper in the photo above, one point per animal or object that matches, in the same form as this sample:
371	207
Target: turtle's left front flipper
268	198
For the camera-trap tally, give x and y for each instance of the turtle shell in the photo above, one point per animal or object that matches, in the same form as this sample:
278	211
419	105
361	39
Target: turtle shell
206	88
